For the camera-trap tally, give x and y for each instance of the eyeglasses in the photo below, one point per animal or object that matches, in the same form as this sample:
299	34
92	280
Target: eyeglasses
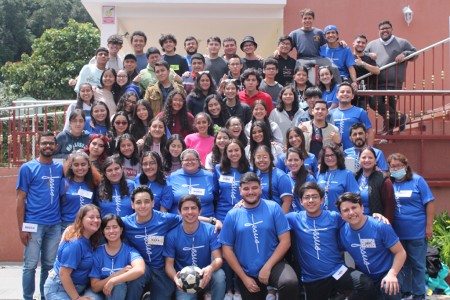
311	197
121	122
270	69
330	155
122	76
47	143
150	163
385	28
130	101
189	160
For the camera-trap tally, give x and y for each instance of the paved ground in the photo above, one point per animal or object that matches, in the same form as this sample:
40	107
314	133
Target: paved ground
11	284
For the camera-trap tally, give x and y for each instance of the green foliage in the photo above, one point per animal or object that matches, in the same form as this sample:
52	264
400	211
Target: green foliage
58	55
23	21
441	236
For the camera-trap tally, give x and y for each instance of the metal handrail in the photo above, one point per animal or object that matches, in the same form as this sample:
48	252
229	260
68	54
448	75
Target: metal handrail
407	58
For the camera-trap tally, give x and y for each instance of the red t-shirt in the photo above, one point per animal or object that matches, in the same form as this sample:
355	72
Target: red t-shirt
259	96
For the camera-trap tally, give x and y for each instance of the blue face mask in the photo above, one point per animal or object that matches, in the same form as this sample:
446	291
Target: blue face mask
398	174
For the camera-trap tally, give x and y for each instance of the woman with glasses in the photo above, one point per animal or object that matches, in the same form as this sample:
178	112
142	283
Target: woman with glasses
333	177
119	126
192	179
152	175
127	104
413	221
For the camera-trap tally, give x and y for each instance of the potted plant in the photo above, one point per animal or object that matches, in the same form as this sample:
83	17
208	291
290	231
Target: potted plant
441	237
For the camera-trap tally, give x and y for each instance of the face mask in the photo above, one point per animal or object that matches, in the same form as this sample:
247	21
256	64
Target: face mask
398	174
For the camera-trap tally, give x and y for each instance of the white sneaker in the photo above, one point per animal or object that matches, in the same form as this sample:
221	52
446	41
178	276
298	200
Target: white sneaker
237	297
228	296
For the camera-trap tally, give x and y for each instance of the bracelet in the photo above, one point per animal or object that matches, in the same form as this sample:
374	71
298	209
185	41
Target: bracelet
363	64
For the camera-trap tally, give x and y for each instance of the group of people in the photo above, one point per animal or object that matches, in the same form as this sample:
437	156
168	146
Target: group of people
174	161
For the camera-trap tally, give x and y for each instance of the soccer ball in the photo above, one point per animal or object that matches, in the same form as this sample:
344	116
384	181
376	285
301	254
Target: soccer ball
190	279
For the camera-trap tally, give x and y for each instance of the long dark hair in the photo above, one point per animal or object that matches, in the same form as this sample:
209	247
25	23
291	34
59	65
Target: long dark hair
216	154
271	165
302	174
197	91
242	137
80	102
225	164
101	159
280	103
123	102
107	119
115	88
148	139
370	149
134	159
113	129
210	122
224	113
104	190
339	157
167	156
332	82
302	136
92	177
137	126
183	112
266	139
112	217
143	179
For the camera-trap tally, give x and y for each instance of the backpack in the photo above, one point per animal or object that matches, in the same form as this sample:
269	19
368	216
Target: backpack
433	263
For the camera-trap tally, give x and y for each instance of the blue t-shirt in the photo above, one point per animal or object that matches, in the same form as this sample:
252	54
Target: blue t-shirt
227	186
105	265
253	234
75	196
363	183
98	128
148	238
335	183
296	206
370	247
316	244
381	161
344	119
119	205
42	183
410	216
340	56
162	193
200	184
330	96
191	249
75	254
281	185
310	163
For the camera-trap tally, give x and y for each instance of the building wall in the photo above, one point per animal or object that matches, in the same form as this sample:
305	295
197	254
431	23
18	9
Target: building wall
430	23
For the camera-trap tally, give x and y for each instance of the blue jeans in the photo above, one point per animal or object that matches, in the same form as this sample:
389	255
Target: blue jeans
54	290
119	292
415	266
230	278
44	244
382	291
161	286
216	285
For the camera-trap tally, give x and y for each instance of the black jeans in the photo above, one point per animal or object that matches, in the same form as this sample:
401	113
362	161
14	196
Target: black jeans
282	277
390	106
361	286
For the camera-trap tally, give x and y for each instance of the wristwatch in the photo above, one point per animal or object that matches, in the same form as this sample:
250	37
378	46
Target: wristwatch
212	221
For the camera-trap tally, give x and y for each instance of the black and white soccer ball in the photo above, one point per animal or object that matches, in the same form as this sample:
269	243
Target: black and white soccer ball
190	279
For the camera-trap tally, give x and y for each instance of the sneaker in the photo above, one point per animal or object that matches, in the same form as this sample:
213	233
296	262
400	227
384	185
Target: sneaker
403	125
207	296
228	296
237	297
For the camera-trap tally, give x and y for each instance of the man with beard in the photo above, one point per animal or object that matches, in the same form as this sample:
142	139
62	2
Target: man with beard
364	64
38	212
389	48
191	47
255	238
358	137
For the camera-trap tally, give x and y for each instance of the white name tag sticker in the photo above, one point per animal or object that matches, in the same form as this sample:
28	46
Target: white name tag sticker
85	194
227	179
197	191
340	272
368	243
28	227
155	240
404	194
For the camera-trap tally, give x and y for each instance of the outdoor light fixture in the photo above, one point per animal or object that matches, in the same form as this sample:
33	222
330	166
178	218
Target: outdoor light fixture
408	14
